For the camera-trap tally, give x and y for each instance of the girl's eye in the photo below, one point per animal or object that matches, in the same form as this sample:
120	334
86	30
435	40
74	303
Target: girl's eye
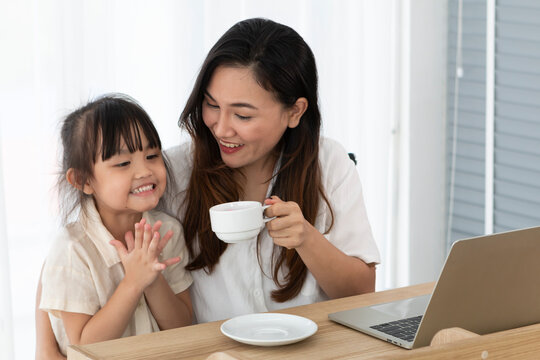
245	118
123	164
153	156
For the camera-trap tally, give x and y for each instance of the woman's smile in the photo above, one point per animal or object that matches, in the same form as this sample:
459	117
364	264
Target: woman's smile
229	148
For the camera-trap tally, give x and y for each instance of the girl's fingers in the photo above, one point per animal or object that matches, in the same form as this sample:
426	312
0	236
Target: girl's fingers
154	243
138	236
159	266
120	248
164	240
157	226
171	261
147	237
130	241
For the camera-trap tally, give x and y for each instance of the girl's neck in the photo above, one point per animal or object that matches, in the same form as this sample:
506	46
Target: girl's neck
119	224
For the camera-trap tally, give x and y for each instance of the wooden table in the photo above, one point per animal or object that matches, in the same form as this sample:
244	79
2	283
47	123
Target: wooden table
331	341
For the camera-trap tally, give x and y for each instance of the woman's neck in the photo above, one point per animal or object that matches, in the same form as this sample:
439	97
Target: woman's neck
255	180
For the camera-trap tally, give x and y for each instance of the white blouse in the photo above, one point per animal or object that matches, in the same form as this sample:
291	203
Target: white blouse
237	284
82	271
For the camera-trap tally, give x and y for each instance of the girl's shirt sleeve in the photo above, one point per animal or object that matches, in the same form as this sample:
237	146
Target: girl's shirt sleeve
67	282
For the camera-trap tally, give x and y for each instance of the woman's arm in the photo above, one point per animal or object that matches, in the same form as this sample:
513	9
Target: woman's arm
46	345
336	273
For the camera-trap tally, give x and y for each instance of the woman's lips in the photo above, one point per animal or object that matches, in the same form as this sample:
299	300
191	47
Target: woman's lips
229	148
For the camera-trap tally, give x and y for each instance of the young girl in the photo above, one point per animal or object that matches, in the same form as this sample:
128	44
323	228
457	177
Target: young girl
101	281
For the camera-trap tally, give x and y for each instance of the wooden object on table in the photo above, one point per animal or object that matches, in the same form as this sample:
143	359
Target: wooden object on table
221	356
514	344
446	336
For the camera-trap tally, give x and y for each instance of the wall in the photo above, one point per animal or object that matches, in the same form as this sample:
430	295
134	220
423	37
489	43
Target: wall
421	150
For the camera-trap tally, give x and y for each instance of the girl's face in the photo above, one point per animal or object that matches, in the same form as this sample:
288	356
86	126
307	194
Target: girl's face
128	183
245	119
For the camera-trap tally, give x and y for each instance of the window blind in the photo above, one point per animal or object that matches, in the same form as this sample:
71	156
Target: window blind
516	178
466	178
517	115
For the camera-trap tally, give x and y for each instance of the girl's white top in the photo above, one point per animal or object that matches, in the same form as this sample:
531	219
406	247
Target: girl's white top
238	285
83	270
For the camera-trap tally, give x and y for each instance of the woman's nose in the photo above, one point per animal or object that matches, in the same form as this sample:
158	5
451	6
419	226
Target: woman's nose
222	128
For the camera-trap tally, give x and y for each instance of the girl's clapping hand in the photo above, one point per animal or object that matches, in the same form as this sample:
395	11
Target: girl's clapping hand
141	257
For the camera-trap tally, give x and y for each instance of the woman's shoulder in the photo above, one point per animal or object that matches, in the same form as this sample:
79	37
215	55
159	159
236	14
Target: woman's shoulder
333	155
180	153
180	161
170	222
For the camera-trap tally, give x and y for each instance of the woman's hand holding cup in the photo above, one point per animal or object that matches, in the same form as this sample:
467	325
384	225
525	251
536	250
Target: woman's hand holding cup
290	229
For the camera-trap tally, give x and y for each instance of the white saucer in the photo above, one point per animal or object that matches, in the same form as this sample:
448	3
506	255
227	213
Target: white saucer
268	329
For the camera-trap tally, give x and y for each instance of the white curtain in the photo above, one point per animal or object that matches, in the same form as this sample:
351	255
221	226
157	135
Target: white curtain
58	54
6	335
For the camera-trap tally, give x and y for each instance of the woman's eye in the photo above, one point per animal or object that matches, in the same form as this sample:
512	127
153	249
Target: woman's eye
243	117
123	164
212	106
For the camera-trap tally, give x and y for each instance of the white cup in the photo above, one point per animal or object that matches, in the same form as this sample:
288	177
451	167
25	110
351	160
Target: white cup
238	220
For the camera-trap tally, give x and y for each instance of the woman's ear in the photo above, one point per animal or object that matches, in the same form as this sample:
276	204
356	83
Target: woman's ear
296	111
73	178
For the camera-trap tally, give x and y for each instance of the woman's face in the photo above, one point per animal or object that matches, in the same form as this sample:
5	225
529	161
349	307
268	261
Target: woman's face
245	119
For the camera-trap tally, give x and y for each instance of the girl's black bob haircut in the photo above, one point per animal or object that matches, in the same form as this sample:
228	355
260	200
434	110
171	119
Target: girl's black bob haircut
100	128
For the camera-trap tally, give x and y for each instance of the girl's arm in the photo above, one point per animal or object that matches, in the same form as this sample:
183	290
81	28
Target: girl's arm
141	266
109	322
169	310
46	345
336	273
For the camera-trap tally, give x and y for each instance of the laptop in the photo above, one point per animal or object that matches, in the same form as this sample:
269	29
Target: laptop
488	283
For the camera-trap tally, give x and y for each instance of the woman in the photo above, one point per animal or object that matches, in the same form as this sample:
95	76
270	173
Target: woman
254	121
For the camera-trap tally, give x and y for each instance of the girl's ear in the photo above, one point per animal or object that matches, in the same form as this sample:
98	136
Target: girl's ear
74	180
296	111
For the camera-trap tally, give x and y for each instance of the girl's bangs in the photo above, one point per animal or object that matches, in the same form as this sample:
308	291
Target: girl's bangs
124	125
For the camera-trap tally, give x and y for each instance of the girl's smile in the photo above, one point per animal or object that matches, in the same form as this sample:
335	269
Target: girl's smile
144	190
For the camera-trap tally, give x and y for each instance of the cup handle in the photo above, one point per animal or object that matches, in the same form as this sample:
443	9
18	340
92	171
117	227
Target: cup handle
267	219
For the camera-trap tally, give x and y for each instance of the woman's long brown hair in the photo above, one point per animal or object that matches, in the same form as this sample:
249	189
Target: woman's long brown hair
284	65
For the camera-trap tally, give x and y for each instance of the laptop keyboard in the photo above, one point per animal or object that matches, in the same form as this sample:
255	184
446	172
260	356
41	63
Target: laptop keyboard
404	329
